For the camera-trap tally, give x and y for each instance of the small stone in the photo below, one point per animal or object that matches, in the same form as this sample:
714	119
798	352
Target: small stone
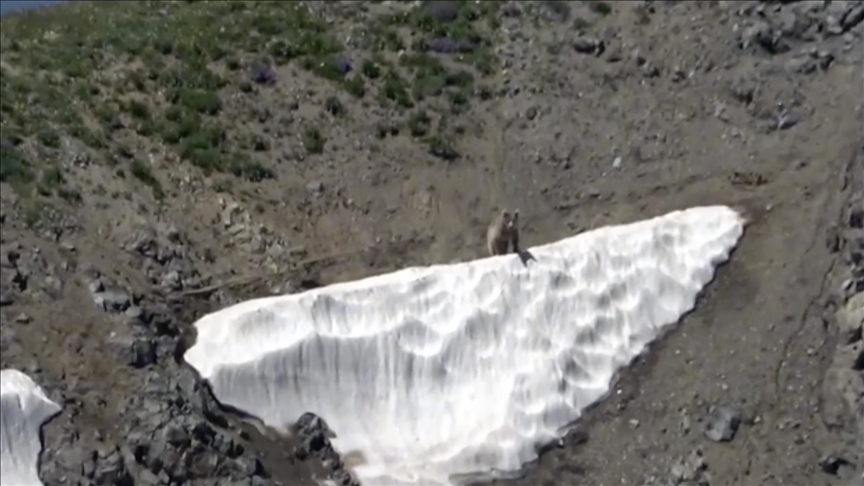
133	312
315	186
588	45
802	65
788	120
114	300
723	424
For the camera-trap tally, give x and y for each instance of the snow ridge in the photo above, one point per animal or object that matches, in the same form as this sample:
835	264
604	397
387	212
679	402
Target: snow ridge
431	374
23	409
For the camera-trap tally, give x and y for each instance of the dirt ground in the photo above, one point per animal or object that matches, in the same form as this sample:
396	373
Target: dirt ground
593	117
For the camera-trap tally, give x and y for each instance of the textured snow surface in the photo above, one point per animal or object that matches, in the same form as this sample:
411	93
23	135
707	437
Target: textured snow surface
23	409
432	373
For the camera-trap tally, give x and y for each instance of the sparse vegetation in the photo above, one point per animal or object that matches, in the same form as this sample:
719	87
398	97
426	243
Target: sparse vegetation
442	148
600	7
14	169
419	124
334	106
313	140
142	172
180	75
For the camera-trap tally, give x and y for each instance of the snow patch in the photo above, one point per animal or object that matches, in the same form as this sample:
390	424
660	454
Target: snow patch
23	409
430	374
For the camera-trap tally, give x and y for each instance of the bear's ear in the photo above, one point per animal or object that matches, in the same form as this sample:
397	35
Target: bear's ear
505	214
516	214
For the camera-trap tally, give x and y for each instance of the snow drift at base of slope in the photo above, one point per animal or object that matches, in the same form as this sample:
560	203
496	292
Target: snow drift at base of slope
429	373
23	409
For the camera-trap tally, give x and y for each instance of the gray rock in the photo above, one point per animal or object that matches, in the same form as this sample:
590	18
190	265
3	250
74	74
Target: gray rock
110	470
114	299
53	286
241	468
202	464
6	298
722	424
690	470
802	65
791	25
853	17
841	389
172	281
315	186
758	34
8	339
850	319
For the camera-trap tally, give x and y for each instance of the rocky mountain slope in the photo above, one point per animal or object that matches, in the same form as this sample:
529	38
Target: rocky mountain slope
161	160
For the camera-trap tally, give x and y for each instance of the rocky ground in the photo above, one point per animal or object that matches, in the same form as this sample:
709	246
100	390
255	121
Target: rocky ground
161	160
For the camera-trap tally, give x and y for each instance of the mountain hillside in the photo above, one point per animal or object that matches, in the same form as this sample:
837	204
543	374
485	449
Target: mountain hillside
162	160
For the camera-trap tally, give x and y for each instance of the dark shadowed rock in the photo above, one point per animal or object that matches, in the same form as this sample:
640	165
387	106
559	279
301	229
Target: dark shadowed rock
6	297
314	442
314	435
588	45
853	17
856	219
343	65
831	464
447	45
441	10
264	74
722	424
309	423
142	353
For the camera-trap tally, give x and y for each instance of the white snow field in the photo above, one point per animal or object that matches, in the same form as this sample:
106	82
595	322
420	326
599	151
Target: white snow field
432	374
23	409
